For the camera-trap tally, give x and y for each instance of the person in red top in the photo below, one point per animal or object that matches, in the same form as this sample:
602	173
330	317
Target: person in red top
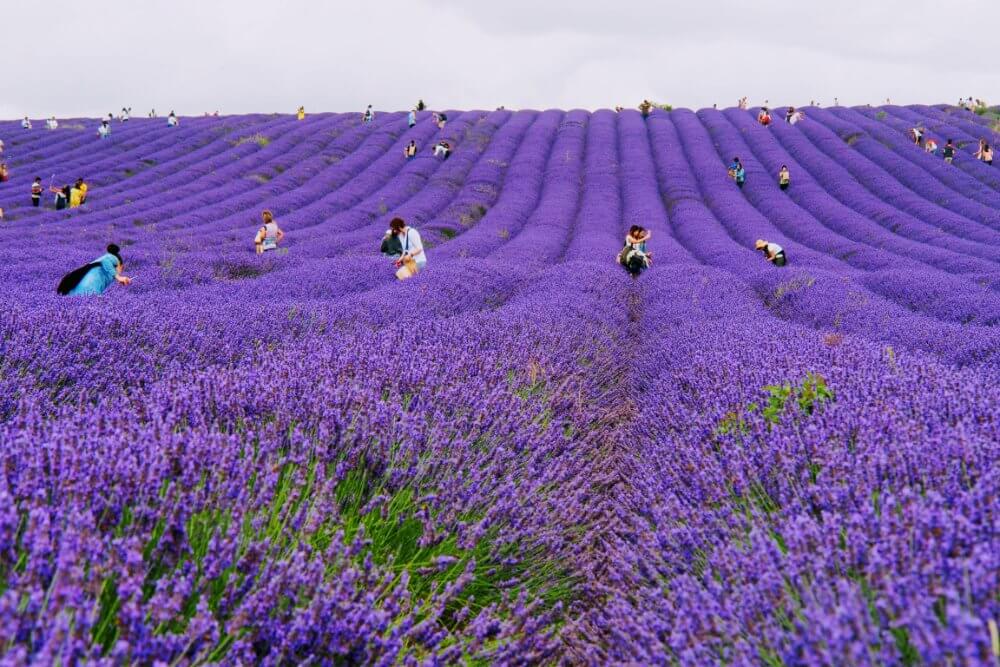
764	117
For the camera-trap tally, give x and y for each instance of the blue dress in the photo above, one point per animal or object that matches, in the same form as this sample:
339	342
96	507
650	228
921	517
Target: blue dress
99	278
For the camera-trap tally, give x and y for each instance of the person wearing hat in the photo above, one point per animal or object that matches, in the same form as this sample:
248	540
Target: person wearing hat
95	278
773	252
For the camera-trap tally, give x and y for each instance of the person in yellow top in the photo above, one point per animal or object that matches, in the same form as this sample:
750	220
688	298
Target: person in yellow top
81	185
301	114
75	197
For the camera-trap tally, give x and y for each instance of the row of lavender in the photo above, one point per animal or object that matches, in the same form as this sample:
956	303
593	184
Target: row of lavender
518	456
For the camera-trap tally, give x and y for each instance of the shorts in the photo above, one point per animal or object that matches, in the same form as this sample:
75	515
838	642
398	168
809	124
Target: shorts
779	259
36	200
783	186
740	184
949	159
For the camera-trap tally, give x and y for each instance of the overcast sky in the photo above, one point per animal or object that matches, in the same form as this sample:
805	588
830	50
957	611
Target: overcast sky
64	58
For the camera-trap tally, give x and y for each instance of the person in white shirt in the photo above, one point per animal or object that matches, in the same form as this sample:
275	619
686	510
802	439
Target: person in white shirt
414	259
411	118
26	124
369	115
104	131
172	120
269	235
442	148
52	123
773	252
126	113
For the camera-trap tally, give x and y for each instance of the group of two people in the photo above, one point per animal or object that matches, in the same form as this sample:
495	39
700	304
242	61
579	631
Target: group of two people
738	173
70	196
441	149
791	116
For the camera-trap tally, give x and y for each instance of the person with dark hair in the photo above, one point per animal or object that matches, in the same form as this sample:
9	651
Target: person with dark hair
269	235
948	152
410	151
300	114
95	278
917	135
412	258
368	116
930	146
440	118
82	186
172	120
985	153
36	191
4	172
62	196
442	148
773	252
411	118
738	173
784	177
420	105
633	255
764	117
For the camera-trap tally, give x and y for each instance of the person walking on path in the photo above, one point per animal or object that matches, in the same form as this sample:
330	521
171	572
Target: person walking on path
269	235
784	177
95	278
773	252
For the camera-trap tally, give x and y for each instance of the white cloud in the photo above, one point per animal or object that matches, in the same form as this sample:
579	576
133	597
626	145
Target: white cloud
257	55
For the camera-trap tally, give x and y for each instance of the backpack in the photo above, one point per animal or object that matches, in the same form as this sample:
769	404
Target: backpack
391	246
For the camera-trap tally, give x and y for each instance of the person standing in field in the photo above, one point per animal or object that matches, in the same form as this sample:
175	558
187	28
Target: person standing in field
95	278
62	196
301	113
52	123
773	252
104	131
985	153
82	186
4	172
1	146
172	120
764	117
916	135
36	191
413	259
410	151
738	173
411	118
440	118
368	116
784	177
26	124
949	152
269	235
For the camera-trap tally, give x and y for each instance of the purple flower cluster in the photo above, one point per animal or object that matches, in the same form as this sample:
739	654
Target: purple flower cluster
521	455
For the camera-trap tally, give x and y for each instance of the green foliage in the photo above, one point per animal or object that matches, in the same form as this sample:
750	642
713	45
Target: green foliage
807	396
881	115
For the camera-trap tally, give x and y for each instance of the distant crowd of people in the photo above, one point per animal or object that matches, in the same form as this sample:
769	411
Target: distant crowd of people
402	243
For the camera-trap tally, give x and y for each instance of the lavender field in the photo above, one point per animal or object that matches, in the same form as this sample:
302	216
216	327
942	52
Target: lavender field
520	456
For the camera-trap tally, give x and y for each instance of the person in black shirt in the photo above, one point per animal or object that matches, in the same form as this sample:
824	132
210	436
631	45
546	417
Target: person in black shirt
948	152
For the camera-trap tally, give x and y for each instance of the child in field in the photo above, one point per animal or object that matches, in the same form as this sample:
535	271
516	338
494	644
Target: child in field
269	235
36	191
95	278
949	152
368	116
442	148
764	117
301	113
737	172
773	252
784	178
410	151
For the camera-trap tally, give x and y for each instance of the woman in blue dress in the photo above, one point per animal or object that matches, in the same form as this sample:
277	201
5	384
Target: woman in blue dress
95	278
